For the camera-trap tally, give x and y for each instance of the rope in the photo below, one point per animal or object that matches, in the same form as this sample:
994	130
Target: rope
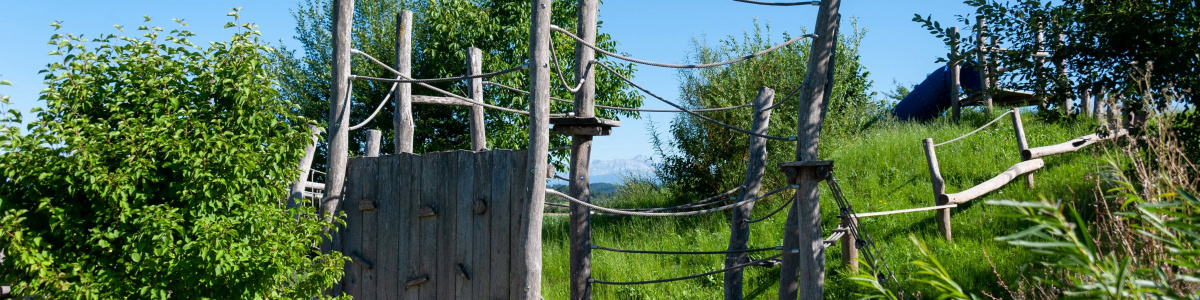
441	91
622	108
594	246
433	80
708	65
658	214
751	263
864	242
974	131
699	203
563	80
780	3
781	102
377	109
777	210
652	94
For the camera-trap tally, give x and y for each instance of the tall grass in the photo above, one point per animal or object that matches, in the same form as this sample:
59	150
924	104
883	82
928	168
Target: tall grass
882	168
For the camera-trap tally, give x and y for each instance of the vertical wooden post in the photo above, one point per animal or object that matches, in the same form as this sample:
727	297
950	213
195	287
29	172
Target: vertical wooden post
1038	66
1061	80
580	236
993	63
739	229
339	108
1098	106
526	280
402	120
1085	101
955	85
802	230
374	137
981	62
939	189
849	250
297	192
475	92
1022	145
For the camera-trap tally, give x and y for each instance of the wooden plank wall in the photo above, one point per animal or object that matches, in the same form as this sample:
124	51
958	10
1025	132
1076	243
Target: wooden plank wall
433	226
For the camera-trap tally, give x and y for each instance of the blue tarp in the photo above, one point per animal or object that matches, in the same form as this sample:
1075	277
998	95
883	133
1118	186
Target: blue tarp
932	97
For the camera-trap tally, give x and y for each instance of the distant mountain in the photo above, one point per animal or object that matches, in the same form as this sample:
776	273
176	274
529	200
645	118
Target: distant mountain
612	171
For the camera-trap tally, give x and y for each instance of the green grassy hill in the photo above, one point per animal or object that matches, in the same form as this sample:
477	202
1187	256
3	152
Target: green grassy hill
881	169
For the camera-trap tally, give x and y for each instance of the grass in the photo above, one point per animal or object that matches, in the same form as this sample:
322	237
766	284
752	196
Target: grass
882	168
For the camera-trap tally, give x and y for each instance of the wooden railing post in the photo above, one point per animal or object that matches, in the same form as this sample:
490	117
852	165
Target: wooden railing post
1038	66
374	137
739	228
1085	101
993	69
802	274
339	109
955	85
1022	145
526	280
1061	79
475	92
981	62
297	192
1099	104
402	120
580	234
849	250
939	188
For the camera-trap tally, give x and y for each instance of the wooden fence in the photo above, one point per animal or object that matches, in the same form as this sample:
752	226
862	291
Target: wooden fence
434	226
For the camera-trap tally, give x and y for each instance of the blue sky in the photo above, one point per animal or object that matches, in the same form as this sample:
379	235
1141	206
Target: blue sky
895	48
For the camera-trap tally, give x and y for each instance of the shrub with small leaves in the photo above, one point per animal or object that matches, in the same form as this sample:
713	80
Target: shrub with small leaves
158	169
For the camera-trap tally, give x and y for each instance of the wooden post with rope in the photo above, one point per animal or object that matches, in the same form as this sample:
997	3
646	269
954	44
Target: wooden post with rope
939	189
374	137
526	279
955	85
849	248
802	230
475	92
580	231
402	120
739	228
339	109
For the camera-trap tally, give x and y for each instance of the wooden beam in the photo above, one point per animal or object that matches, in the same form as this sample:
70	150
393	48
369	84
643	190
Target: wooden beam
900	211
739	229
849	245
436	100
339	109
802	230
402	120
526	279
994	183
475	92
1070	146
1022	145
939	188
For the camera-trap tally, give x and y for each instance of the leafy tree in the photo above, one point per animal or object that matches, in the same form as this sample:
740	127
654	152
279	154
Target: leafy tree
442	32
158	169
705	159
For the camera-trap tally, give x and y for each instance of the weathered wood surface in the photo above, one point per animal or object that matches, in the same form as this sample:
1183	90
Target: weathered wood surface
1070	146
305	166
374	138
475	92
438	100
739	228
955	84
849	251
939	188
992	184
580	228
470	201
981	57
526	270
1022	144
339	109
802	274
402	120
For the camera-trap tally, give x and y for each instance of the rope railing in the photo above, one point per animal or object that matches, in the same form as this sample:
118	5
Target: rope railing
863	242
435	89
677	106
773	212
780	3
692	66
662	214
699	203
444	79
563	80
740	266
378	108
974	131
594	246
513	89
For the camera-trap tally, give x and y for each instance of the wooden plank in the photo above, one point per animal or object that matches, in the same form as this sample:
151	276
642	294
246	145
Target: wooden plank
367	185
464	179
994	183
481	265
503	190
475	92
585	121
1071	146
573	130
446	221
522	250
402	120
352	239
900	211
426	246
386	266
409	251
436	100
739	229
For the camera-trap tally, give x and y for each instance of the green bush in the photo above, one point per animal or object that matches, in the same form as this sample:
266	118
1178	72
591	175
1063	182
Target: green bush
158	169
